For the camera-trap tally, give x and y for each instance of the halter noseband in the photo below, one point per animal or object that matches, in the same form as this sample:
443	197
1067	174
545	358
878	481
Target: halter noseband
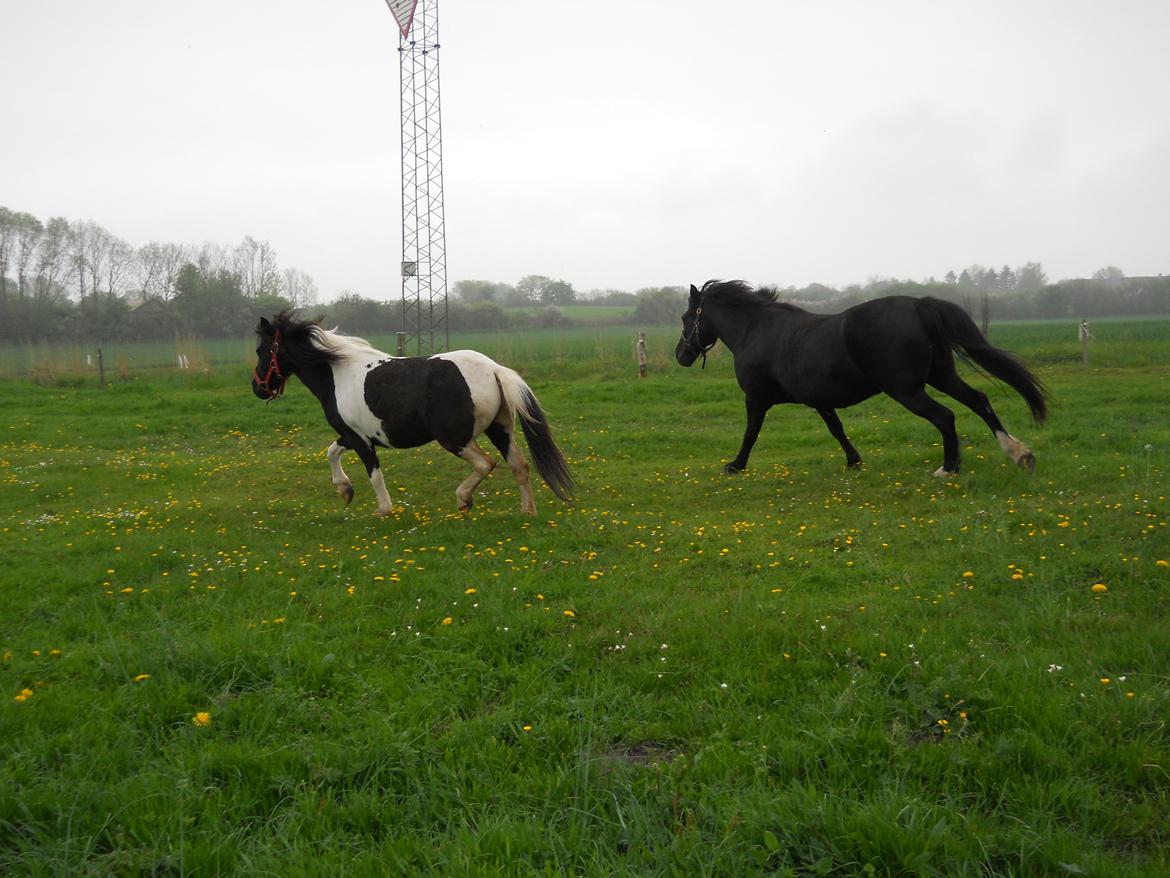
693	343
273	369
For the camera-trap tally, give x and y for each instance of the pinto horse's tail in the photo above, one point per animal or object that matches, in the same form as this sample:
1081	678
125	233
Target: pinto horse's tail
550	463
951	326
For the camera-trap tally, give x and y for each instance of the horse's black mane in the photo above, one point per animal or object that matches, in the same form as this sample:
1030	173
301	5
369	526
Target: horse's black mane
301	341
741	294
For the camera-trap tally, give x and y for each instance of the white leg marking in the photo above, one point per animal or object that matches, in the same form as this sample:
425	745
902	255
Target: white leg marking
482	466
1018	451
385	507
943	473
519	465
340	480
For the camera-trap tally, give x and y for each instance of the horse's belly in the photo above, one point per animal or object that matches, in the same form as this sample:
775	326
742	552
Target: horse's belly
401	435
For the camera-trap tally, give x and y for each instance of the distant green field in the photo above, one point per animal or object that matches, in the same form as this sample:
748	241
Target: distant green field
209	665
1116	343
596	313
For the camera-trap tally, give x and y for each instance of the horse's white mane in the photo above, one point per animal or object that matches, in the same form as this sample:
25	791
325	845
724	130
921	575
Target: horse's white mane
344	345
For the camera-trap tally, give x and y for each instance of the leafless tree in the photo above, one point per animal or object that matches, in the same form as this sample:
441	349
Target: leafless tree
52	263
299	287
212	258
28	234
158	269
255	263
7	243
119	261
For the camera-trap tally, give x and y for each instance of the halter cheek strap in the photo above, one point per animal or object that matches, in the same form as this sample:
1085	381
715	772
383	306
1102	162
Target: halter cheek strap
273	369
693	340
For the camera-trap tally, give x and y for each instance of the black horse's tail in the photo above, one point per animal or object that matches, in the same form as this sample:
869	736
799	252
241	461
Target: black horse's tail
550	463
950	325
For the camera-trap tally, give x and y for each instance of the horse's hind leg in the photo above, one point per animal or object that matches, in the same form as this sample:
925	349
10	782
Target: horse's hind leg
504	439
481	466
948	381
340	480
920	403
829	416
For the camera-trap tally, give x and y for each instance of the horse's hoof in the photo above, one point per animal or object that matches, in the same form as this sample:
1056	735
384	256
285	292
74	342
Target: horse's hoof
383	513
943	473
346	493
1027	462
730	469
853	464
464	507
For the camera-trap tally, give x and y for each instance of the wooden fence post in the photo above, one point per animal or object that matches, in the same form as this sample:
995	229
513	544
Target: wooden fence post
400	343
101	369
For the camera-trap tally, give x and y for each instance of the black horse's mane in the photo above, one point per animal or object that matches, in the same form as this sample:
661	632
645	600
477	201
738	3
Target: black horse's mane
301	341
741	294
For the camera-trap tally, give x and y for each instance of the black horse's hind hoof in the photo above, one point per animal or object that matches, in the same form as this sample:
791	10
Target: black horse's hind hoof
731	468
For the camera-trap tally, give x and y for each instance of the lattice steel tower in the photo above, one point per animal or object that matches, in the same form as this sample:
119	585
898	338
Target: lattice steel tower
424	243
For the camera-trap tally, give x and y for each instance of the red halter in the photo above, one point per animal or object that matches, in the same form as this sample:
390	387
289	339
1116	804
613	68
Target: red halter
273	369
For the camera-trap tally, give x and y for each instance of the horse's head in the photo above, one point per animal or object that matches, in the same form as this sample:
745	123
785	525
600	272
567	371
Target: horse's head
270	373
698	335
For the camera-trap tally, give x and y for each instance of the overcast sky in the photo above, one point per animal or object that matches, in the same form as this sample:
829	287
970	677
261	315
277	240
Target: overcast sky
616	145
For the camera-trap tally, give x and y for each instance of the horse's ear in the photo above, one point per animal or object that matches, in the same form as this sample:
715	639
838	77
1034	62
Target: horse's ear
694	295
265	326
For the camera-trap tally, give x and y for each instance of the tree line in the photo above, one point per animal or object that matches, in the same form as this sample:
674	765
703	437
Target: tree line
75	281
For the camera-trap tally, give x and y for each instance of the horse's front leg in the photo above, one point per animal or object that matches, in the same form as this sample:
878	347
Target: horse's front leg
374	471
340	480
755	420
833	422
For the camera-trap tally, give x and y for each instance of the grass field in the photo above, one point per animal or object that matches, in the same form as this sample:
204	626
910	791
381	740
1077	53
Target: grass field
208	665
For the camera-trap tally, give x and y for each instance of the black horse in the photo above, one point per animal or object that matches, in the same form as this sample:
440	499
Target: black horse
374	400
894	345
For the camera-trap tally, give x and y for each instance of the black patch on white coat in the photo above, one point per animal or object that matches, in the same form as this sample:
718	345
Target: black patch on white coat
419	400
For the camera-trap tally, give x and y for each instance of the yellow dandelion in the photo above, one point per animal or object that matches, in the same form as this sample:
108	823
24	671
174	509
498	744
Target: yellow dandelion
967	574
202	719
570	614
526	728
1162	562
141	677
1100	587
447	620
1104	681
469	591
25	695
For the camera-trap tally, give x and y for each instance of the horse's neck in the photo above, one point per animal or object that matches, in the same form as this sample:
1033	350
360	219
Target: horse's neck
318	378
734	326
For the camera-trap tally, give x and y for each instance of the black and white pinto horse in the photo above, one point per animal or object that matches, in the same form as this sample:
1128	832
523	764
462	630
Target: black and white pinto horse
894	345
375	400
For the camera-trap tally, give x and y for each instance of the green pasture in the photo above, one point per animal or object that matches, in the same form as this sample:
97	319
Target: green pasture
209	665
